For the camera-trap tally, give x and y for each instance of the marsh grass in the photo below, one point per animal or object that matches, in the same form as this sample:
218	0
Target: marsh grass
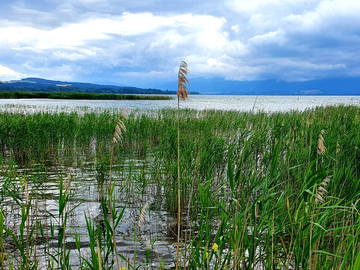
256	185
79	95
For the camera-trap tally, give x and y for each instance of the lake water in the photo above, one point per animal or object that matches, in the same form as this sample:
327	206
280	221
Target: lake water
134	241
199	102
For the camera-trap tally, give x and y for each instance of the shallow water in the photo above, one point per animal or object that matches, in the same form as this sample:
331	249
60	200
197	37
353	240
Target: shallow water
148	243
199	102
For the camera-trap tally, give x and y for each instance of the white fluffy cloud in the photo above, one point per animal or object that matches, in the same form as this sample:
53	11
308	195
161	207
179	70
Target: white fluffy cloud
77	35
8	74
236	39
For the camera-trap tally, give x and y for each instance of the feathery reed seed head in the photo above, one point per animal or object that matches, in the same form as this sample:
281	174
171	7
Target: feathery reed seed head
321	143
182	81
321	190
119	130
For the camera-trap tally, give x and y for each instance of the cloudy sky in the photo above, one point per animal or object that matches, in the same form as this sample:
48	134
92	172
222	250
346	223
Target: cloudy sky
141	42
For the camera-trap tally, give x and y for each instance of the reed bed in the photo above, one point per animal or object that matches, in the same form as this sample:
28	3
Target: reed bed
78	95
258	191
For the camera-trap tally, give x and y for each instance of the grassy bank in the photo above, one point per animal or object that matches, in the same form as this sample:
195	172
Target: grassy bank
75	95
258	191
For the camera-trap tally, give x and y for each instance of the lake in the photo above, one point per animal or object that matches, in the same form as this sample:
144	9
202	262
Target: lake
199	102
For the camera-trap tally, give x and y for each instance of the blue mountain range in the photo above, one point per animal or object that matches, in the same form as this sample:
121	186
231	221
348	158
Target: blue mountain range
43	85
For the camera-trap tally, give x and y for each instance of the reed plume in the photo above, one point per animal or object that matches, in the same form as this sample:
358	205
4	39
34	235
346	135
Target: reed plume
182	81
117	138
321	190
119	131
321	143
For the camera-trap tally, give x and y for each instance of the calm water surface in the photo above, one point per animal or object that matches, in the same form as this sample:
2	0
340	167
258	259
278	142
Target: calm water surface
199	102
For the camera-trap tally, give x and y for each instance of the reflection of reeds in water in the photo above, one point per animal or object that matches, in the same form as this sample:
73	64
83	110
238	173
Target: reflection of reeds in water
142	214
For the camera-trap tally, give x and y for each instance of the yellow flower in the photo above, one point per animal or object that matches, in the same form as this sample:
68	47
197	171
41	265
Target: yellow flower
215	247
122	268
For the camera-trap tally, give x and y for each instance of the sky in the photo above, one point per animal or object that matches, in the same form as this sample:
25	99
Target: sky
141	43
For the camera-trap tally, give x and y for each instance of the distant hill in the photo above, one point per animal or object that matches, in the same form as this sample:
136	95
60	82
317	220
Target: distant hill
37	84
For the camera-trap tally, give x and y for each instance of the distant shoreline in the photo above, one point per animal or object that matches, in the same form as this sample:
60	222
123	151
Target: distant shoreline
78	95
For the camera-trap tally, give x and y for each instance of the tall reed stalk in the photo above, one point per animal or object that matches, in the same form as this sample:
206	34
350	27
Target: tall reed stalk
113	213
181	94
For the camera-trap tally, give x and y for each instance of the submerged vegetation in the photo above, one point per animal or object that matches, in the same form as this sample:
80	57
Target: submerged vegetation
78	95
257	191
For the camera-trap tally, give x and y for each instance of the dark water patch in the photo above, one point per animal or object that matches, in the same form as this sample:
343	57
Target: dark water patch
41	189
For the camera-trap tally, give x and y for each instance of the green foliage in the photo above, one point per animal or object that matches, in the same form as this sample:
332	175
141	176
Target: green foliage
79	95
250	182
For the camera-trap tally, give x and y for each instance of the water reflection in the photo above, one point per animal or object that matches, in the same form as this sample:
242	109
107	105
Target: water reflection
135	192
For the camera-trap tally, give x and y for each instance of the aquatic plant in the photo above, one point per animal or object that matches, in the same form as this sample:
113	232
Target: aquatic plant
258	185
